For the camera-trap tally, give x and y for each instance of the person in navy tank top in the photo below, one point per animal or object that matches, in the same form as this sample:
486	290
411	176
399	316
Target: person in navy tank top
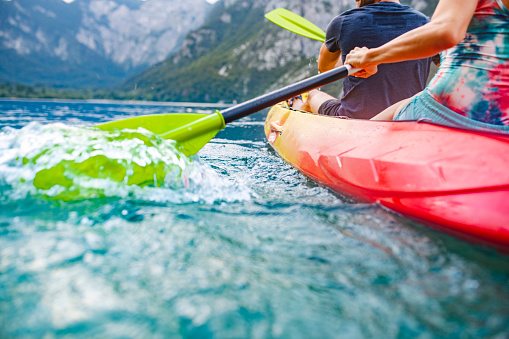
372	24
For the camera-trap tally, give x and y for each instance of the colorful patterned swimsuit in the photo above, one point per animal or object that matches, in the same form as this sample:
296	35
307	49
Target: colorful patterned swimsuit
473	78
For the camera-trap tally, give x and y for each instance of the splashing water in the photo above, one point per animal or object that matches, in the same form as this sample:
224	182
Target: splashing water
232	243
63	162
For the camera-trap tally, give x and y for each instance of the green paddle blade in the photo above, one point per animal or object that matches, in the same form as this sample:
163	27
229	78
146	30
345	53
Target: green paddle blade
191	131
295	23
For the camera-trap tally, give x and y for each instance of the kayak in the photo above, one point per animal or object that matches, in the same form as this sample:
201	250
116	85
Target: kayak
452	179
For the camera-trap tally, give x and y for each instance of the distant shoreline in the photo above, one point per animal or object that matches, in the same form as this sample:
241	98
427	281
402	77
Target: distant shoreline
121	102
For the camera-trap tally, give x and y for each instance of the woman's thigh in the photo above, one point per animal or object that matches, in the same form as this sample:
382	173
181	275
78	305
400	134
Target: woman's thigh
390	112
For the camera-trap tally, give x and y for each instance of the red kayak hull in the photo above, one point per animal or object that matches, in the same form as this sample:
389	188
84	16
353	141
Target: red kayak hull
449	178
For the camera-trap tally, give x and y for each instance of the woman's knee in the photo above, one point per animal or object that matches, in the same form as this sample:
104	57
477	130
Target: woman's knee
315	98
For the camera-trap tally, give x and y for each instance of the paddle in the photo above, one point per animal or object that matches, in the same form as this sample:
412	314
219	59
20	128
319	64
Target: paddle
193	131
295	23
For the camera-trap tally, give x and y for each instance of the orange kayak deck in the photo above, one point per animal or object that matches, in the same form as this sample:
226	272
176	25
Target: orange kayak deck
452	179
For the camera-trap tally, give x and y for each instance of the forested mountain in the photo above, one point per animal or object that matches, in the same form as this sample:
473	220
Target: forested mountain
238	54
90	43
168	50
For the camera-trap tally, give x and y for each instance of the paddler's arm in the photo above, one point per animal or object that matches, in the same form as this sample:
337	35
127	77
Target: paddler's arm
328	60
446	29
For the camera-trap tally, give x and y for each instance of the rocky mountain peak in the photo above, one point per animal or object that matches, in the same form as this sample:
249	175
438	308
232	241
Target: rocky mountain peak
113	37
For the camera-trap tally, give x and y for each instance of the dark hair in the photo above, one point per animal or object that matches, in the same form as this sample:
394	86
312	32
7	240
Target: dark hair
366	2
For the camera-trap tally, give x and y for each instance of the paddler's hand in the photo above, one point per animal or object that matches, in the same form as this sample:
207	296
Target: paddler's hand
358	58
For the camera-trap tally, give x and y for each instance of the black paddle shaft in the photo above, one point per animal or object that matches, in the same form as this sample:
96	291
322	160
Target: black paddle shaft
272	98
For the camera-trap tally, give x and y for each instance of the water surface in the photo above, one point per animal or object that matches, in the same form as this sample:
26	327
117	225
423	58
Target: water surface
233	244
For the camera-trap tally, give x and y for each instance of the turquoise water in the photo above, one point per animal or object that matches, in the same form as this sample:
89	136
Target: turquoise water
232	243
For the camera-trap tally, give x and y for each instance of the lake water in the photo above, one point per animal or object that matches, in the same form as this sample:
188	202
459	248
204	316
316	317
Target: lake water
232	243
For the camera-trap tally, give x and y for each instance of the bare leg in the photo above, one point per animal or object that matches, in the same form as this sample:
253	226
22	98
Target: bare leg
315	99
390	112
313	102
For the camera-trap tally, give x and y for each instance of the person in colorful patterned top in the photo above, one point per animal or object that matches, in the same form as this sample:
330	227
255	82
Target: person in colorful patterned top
471	87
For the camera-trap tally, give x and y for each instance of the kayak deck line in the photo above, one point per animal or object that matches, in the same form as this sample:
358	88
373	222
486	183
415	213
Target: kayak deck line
452	178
